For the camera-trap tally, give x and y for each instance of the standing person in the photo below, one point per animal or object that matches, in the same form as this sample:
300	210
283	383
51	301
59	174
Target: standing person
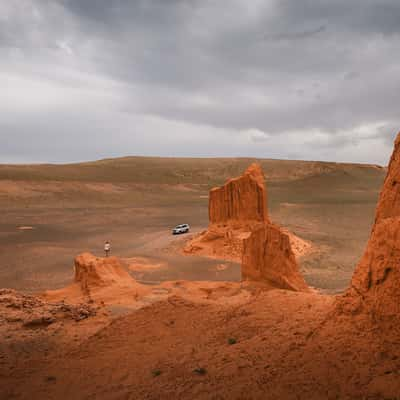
107	247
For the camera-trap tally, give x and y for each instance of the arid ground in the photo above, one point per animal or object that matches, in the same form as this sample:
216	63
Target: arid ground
185	327
50	213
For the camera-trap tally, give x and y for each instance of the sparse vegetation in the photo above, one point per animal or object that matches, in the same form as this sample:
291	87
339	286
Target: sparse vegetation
232	341
200	371
156	372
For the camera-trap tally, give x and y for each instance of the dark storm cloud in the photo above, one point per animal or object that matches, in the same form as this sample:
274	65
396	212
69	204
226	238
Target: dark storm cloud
297	35
262	76
362	16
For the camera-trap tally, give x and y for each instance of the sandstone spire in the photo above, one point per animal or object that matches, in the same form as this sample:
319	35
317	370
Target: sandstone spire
240	230
242	199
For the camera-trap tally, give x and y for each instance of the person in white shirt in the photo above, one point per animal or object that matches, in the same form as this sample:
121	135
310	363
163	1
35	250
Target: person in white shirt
107	247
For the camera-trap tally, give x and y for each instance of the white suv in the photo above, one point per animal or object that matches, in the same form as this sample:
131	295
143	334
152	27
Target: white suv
184	228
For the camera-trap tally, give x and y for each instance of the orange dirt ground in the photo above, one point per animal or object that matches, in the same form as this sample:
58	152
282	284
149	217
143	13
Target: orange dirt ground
270	345
109	337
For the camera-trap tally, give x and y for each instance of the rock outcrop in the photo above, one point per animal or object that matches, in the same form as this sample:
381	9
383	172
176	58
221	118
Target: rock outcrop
375	286
92	272
35	312
234	209
101	280
268	257
241	200
241	231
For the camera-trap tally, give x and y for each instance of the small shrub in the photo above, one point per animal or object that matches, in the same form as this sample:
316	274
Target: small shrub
200	371
232	341
156	372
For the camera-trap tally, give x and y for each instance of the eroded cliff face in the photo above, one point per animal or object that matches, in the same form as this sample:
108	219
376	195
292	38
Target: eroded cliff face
375	286
241	200
268	257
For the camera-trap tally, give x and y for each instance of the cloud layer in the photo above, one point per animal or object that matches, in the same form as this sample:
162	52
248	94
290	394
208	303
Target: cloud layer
276	79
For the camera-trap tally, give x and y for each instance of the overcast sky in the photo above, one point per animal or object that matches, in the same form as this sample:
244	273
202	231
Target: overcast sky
296	79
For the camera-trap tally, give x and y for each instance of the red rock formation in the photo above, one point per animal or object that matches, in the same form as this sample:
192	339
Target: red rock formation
240	230
375	286
92	272
241	199
234	209
97	279
268	257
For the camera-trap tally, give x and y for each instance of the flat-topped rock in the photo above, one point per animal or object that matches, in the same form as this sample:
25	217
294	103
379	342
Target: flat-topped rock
92	271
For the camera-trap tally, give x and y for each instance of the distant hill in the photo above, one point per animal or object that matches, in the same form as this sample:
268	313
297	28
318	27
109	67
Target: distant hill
208	171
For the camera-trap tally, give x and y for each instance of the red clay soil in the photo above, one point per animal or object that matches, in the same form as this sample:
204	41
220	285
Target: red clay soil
278	345
219	242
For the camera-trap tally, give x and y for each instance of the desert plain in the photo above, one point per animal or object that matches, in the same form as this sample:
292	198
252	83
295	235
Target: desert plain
187	326
50	213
